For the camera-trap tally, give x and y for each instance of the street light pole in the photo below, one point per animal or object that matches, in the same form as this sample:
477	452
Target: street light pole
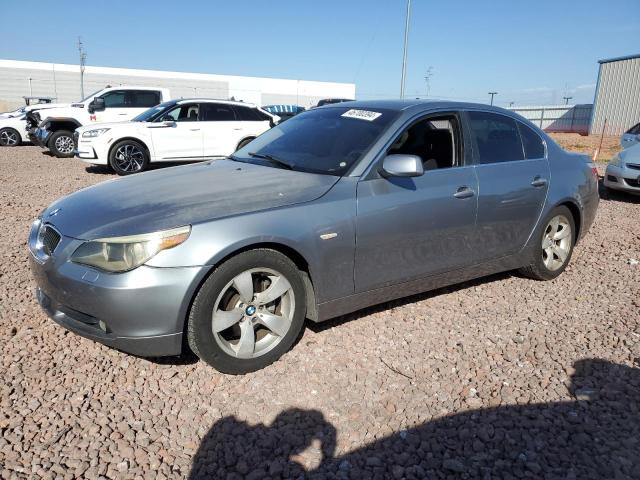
566	100
404	52
492	94
83	59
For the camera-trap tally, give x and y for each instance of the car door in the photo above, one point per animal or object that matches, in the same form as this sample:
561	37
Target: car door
251	121
221	130
407	228
513	177
177	134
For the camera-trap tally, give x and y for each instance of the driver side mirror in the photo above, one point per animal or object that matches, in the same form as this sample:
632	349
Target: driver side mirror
97	105
401	165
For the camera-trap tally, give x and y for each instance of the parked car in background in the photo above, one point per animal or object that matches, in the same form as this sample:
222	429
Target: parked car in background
631	137
53	128
623	171
330	101
13	125
178	130
285	112
337	209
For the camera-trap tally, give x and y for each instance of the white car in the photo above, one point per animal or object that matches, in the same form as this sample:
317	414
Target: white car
623	171
178	130
51	126
631	137
13	125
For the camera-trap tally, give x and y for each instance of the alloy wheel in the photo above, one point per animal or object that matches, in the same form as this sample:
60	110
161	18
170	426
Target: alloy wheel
129	158
64	144
556	242
253	313
8	138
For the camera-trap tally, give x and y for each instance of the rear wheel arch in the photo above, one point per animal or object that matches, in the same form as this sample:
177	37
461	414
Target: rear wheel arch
577	217
244	141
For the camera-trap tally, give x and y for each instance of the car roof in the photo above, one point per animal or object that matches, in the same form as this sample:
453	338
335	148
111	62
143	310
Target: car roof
214	100
417	105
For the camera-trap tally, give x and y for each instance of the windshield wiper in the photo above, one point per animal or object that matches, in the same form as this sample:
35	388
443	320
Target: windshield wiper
272	159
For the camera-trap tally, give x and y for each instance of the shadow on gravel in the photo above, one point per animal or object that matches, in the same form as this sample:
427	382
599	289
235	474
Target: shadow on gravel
596	436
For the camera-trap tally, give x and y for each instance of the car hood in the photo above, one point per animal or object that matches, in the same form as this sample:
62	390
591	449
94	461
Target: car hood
93	126
173	197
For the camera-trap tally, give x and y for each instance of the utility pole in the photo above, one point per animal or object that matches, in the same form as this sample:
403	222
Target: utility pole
83	59
30	87
404	52
511	104
492	94
566	100
427	79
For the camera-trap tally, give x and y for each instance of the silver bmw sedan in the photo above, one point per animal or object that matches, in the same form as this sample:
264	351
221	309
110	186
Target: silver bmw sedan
339	208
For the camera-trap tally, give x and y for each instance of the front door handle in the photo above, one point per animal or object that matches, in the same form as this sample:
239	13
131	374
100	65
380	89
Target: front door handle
194	129
464	192
538	181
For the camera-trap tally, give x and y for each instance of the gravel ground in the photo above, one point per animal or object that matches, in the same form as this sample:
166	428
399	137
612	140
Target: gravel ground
502	377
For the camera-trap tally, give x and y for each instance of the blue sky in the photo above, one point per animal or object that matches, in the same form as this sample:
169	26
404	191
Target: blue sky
531	52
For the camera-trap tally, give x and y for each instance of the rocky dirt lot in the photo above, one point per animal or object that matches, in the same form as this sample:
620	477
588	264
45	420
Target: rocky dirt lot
498	378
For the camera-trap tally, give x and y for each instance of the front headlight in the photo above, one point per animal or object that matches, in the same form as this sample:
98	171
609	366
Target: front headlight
120	254
94	133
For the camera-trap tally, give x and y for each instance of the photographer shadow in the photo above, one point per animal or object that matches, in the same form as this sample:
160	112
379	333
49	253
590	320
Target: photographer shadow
595	436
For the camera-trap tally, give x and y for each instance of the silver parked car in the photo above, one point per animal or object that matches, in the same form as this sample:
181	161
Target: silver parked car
623	171
334	210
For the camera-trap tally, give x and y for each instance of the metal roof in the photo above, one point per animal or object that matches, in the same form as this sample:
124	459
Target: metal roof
618	59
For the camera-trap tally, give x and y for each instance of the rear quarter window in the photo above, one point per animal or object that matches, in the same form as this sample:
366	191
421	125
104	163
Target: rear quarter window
533	144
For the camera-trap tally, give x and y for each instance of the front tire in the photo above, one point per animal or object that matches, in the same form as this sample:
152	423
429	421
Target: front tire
248	313
61	144
9	137
128	156
554	246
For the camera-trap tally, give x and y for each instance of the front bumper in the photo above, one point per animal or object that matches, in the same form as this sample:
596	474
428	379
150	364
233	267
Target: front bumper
39	136
624	178
140	312
86	150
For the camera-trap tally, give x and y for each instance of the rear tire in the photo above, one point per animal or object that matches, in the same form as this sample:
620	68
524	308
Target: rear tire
128	157
248	313
245	142
554	245
61	144
9	137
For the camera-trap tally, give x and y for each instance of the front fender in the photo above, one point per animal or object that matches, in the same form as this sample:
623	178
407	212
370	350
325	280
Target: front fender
322	232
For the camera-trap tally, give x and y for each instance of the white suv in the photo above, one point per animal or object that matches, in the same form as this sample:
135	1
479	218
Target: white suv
179	130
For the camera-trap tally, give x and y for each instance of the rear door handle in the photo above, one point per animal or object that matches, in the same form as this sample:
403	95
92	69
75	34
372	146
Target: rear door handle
464	192
538	181
194	129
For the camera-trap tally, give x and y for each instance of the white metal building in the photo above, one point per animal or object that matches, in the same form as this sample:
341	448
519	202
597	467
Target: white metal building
18	79
617	95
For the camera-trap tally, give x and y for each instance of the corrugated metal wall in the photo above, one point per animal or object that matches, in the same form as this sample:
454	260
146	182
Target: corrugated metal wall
18	79
617	96
558	118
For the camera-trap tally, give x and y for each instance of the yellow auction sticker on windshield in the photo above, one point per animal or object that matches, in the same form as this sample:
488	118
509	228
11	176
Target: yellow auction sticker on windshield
361	114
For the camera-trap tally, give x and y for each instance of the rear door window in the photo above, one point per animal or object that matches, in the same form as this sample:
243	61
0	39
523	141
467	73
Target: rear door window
246	114
496	137
533	144
217	112
143	98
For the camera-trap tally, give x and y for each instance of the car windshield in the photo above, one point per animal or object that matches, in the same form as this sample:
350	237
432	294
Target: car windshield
153	112
327	141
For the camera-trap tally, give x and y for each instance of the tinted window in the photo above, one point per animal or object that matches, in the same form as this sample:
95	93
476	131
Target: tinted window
247	114
496	137
114	99
144	98
217	112
635	130
327	140
533	145
181	113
